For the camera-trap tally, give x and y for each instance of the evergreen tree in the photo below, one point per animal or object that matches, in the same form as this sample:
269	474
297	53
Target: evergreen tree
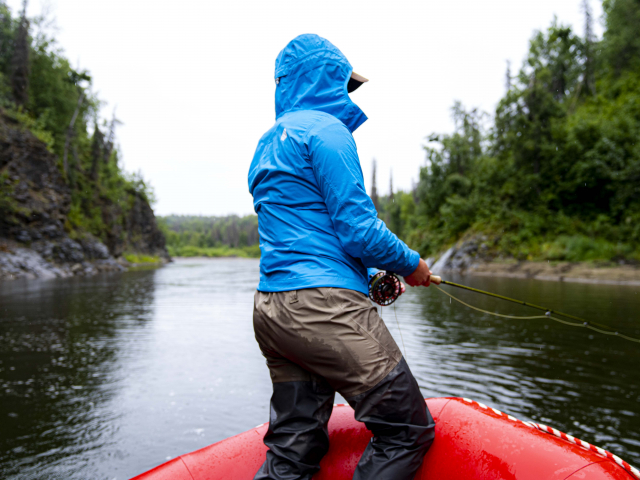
6	48
589	82
20	61
557	177
97	148
621	38
507	76
374	187
40	91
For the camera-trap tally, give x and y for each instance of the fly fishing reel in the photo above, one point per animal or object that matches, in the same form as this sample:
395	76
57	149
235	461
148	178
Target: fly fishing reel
384	288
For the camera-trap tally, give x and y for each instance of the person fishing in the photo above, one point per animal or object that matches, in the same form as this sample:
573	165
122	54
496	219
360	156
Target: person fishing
320	240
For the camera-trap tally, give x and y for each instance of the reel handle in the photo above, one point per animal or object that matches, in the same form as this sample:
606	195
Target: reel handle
436	279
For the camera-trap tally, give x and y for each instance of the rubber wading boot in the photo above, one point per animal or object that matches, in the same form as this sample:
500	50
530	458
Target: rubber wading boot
403	429
297	437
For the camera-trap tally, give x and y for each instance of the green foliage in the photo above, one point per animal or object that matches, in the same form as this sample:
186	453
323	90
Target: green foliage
141	259
191	251
621	40
190	236
557	174
8	205
580	248
34	125
57	92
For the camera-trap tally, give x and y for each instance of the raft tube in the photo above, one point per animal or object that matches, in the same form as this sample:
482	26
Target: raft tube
473	442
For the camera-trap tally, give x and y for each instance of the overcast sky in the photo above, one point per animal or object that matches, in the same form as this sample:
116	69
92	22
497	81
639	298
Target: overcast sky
193	80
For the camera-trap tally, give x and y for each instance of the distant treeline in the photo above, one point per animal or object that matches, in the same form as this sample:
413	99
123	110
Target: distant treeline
189	236
554	174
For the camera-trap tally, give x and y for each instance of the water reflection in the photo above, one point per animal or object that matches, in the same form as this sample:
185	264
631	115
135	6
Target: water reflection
572	378
109	376
58	368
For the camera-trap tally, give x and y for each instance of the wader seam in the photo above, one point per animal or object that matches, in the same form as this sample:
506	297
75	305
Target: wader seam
394	361
285	306
387	371
370	335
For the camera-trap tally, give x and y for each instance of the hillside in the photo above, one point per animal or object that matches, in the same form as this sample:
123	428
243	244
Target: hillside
66	206
554	174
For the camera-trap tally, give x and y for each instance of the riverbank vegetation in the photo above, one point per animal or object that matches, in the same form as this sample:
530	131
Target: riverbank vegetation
138	259
554	174
41	92
195	236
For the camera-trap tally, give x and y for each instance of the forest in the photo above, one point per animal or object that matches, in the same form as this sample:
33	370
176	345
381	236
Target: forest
554	174
191	236
40	91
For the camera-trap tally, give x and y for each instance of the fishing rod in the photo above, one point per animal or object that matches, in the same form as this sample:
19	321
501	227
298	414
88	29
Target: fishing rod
385	288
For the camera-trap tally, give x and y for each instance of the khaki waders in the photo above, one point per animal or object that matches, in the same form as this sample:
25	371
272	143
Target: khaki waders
321	340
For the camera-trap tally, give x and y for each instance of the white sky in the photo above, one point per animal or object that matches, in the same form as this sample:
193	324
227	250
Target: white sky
193	80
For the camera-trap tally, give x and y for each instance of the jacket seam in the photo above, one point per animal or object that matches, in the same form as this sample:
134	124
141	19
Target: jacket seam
341	204
298	60
351	219
314	125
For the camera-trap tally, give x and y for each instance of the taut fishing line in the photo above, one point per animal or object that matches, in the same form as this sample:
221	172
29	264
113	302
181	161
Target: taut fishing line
596	327
404	348
398	323
385	289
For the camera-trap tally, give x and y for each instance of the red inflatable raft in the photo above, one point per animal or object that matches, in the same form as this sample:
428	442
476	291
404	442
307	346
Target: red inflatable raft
473	442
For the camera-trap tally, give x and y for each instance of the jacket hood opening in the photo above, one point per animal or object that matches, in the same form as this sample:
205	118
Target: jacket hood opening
312	74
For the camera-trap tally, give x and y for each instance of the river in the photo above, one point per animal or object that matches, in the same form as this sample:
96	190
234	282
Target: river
106	377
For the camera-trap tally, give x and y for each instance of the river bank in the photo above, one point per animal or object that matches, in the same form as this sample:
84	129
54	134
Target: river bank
471	258
561	272
47	231
66	258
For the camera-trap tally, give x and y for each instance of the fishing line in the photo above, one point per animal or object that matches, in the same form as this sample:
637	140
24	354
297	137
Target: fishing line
384	289
584	324
399	329
398	323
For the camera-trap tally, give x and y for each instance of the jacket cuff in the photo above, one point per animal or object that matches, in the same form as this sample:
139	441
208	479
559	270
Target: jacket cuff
371	272
412	264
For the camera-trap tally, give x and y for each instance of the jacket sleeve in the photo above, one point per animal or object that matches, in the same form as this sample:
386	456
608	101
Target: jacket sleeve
336	166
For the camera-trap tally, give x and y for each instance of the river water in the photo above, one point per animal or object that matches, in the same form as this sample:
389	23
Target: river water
106	377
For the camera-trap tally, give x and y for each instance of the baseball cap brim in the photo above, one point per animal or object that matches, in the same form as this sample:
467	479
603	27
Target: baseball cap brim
355	81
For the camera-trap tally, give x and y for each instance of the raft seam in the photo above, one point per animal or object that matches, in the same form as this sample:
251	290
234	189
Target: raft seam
187	467
442	410
581	468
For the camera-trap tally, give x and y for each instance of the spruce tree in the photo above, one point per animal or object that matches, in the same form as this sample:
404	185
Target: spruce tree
97	148
20	61
374	188
588	82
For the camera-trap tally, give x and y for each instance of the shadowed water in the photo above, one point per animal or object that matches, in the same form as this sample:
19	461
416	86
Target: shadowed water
106	377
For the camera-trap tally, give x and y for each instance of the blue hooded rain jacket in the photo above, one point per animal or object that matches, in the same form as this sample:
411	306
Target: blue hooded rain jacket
318	227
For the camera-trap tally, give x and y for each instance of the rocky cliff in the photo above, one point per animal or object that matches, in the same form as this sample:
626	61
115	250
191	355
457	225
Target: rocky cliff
36	237
479	255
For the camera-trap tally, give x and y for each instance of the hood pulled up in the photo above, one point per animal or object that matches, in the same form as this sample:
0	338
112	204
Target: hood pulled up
312	74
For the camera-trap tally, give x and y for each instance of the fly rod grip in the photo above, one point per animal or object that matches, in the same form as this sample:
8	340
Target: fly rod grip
436	279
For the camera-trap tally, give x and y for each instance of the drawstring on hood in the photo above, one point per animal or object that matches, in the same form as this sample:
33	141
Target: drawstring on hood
312	74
